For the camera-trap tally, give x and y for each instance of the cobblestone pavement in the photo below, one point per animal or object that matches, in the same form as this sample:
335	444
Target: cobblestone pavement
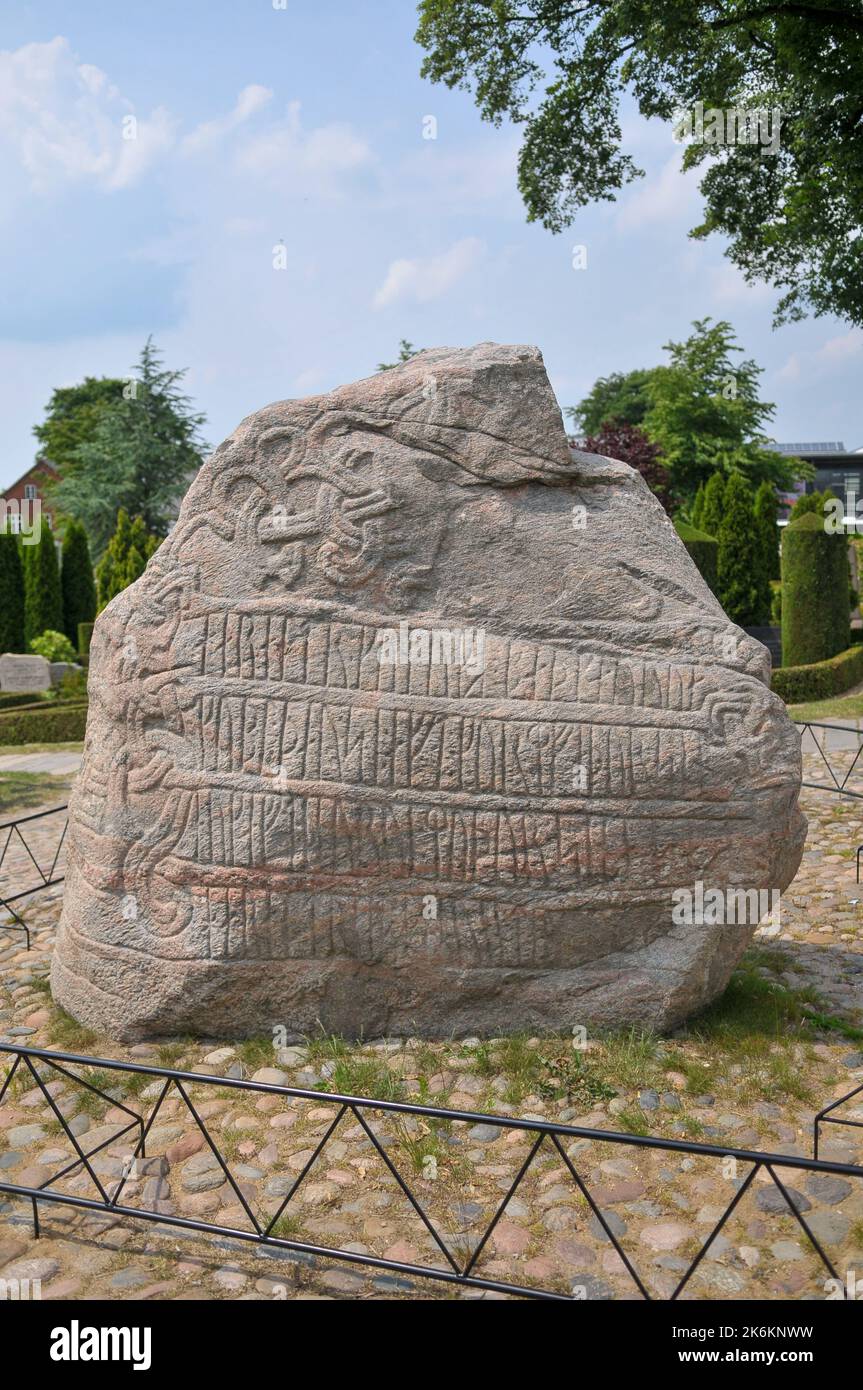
787	1039
42	840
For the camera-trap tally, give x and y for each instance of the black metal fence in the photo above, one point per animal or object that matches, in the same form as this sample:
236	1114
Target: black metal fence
546	1135
827	1117
839	777
46	871
263	1233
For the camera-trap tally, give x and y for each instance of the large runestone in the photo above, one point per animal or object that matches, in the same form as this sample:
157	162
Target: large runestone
419	722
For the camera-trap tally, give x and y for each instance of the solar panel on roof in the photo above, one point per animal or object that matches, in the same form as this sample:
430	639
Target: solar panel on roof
833	447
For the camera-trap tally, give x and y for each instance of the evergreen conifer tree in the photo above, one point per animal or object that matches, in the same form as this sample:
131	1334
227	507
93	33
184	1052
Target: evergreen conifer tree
77	581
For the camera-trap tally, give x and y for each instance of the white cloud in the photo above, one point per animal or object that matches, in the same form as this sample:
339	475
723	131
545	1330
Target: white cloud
729	286
427	278
790	370
245	226
831	356
665	196
308	383
286	149
152	138
251	100
645	136
842	347
63	121
484	171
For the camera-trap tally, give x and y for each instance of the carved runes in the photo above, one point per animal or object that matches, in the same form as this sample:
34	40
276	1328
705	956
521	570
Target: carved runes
418	722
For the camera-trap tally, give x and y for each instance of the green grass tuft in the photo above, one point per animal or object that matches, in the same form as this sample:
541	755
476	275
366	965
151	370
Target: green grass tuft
66	1033
360	1075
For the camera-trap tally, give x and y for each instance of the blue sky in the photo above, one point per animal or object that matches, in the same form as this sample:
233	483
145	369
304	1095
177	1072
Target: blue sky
304	125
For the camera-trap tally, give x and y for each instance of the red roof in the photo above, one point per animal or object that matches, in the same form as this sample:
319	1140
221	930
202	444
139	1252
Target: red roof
39	465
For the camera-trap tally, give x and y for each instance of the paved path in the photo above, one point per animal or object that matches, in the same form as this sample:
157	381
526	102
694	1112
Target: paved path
840	734
58	763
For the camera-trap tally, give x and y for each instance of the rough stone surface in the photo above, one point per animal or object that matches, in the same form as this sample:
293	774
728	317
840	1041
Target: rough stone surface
413	726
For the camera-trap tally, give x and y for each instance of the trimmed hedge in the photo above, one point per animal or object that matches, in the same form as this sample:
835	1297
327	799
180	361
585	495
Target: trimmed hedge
48	722
703	551
10	698
820	680
816	619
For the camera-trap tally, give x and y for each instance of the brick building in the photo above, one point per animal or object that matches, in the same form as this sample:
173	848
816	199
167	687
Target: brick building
30	487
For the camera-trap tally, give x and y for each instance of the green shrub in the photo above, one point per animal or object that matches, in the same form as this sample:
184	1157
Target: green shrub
54	646
73	687
743	585
85	636
703	550
125	558
696	511
47	723
815	612
766	510
77	581
713	505
775	602
43	601
799	684
11	595
811	503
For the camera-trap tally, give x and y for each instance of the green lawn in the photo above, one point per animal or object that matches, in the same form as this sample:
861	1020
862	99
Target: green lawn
16	749
19	791
838	707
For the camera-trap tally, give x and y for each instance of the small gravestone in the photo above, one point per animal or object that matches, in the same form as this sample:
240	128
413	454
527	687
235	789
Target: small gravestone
420	722
61	669
24	673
